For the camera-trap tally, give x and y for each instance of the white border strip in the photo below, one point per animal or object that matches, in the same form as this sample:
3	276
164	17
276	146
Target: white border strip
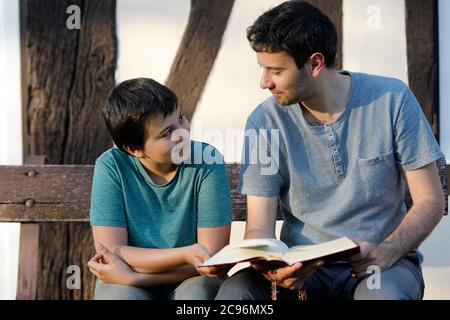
10	134
10	84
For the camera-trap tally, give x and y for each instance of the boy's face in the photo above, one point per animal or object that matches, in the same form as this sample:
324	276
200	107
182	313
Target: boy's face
287	83
162	140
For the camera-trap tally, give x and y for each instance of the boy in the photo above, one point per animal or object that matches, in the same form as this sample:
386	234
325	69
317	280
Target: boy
155	214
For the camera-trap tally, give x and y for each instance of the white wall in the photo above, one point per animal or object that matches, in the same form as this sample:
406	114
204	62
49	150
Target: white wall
10	134
148	35
444	75
374	37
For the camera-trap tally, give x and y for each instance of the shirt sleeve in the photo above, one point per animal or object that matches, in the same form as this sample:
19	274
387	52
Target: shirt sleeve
415	145
107	202
214	200
259	172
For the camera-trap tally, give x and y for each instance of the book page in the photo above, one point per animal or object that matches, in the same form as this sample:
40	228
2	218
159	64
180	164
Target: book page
266	244
235	255
315	251
252	249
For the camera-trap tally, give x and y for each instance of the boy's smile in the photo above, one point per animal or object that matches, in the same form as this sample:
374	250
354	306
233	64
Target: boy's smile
165	134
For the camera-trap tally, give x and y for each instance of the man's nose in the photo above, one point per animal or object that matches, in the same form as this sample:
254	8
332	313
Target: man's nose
266	81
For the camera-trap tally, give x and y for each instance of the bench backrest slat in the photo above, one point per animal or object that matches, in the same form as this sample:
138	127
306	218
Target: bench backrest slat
35	193
45	193
38	193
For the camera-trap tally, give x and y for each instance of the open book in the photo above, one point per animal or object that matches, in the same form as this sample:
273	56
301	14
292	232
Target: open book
275	251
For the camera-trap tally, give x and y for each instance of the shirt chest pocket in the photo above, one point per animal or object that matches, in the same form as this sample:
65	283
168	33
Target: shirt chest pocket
379	175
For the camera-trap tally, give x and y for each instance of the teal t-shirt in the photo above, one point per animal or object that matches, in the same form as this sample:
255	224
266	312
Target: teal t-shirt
160	216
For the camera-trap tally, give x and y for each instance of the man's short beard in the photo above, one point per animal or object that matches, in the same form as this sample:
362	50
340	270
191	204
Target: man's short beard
290	101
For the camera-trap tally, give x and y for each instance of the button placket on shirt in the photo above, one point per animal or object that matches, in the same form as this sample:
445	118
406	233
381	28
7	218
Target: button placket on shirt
338	164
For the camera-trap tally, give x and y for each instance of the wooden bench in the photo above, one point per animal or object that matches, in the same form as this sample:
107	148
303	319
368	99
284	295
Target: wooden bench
32	194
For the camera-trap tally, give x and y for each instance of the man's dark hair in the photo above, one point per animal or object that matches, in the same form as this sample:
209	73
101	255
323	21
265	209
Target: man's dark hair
297	28
131	105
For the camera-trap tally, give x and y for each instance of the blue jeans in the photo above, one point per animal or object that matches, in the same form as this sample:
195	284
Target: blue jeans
403	281
195	288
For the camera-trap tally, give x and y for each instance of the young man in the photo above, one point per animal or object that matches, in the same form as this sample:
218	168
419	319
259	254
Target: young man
347	143
156	214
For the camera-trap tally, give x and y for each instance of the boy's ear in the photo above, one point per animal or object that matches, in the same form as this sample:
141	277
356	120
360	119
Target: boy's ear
134	151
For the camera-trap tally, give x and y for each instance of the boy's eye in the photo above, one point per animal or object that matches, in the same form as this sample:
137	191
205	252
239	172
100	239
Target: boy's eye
168	132
181	117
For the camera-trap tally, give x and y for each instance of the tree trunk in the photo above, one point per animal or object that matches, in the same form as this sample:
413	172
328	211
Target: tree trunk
67	75
198	50
421	39
333	9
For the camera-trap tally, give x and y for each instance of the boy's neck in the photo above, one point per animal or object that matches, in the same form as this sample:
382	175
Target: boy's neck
159	173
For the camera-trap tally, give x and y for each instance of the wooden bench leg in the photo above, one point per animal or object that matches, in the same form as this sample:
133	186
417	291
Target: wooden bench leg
28	261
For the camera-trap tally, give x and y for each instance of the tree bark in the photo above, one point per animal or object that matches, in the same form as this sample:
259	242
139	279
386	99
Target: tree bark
67	76
421	38
197	51
333	9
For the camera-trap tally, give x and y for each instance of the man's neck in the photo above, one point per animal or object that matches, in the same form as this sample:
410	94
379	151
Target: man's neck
330	101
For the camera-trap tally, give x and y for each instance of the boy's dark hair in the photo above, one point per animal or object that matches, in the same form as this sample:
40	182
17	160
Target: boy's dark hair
297	28
131	105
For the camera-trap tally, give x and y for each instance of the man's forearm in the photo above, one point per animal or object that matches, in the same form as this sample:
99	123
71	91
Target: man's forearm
414	229
258	234
170	277
146	260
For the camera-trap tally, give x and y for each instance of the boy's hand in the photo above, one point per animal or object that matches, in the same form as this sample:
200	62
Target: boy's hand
110	268
196	254
214	271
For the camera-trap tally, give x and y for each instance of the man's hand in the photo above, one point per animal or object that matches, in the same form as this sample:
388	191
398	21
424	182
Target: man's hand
370	254
290	277
110	268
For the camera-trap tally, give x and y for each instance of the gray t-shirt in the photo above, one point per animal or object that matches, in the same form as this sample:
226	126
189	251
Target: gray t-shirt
343	178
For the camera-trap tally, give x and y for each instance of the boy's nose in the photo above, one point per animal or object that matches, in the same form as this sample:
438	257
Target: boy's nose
186	124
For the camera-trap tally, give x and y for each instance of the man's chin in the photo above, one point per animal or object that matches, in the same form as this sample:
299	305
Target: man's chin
285	102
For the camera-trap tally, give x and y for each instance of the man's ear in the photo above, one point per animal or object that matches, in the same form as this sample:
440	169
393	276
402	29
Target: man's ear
317	62
135	152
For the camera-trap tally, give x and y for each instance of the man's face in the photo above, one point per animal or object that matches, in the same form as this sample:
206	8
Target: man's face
281	76
159	144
